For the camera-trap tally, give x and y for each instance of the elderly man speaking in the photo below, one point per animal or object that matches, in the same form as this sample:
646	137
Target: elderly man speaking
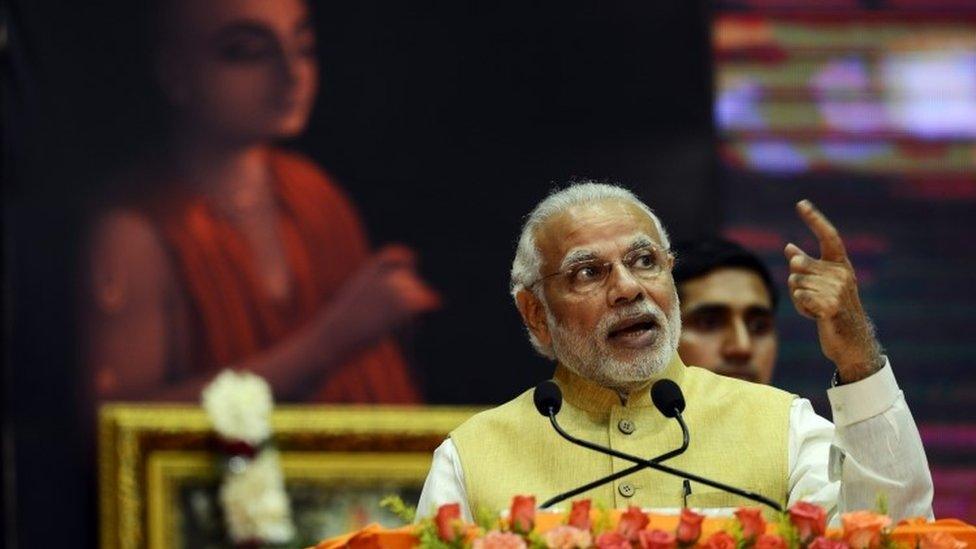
592	281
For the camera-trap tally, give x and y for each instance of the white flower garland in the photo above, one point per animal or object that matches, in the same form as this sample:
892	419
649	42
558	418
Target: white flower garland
252	493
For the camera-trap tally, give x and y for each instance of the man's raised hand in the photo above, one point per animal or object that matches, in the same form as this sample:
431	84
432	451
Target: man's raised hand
825	290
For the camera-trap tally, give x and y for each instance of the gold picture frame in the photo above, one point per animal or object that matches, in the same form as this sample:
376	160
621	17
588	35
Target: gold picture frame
149	453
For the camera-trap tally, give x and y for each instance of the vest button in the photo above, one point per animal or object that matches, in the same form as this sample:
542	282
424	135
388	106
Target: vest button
626	426
626	489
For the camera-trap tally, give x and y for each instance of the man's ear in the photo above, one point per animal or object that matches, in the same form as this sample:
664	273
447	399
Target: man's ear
534	315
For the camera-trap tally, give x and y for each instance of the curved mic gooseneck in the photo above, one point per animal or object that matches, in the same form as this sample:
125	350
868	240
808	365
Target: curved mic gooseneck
622	473
667	398
548	401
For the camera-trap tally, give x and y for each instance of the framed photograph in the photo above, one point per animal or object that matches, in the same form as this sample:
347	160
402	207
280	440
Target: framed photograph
160	469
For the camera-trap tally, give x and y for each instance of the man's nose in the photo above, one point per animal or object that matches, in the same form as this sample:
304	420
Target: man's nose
623	287
738	344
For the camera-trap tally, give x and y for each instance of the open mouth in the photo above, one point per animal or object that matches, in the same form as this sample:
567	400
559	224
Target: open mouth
637	331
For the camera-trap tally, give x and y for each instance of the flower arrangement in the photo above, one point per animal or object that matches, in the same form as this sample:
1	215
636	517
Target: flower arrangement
252	492
802	526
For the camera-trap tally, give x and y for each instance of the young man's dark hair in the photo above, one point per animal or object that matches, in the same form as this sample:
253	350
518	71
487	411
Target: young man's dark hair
695	258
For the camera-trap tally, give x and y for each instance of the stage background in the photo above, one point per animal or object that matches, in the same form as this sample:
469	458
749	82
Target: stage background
446	122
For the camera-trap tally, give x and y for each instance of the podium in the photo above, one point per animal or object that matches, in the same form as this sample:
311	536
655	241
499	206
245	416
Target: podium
377	537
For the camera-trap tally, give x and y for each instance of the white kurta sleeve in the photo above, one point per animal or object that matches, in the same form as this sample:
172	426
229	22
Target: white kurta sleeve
444	484
872	448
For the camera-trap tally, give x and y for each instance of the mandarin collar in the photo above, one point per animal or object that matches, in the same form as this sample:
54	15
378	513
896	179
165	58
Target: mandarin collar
595	398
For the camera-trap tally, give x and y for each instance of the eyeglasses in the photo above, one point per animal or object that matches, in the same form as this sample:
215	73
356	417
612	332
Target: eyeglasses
645	263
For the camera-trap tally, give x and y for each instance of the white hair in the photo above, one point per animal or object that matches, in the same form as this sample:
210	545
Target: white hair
527	265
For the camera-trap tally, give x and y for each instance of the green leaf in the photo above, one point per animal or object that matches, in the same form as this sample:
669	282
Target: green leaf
428	538
602	523
535	541
881	503
486	520
786	530
398	507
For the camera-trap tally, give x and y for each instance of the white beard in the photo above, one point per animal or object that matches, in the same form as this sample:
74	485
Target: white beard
589	356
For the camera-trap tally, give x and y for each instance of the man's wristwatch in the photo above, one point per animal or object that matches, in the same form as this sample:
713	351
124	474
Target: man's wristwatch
835	379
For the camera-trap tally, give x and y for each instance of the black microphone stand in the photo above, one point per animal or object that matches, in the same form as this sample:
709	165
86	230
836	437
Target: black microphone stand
653	464
619	474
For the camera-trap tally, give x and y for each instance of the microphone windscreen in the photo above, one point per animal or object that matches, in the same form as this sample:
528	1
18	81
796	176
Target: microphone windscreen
547	396
667	397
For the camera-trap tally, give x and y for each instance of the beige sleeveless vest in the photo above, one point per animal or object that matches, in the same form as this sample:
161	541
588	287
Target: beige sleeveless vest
739	436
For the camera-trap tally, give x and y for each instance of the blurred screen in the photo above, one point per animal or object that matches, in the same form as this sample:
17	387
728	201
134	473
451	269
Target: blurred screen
884	94
870	113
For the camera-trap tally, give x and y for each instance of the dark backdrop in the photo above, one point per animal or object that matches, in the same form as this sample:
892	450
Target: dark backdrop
445	122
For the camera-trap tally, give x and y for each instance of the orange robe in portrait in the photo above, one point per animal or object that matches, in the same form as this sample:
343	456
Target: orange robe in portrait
234	318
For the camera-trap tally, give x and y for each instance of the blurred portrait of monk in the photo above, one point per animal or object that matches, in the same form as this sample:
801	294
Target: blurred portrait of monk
230	252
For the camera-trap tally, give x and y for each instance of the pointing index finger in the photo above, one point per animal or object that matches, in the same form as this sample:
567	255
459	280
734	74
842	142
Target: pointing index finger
831	245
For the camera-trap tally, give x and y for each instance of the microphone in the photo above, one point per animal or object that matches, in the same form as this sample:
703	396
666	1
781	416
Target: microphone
667	398
548	398
547	404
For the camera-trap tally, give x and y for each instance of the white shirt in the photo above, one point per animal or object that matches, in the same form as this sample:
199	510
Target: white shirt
872	447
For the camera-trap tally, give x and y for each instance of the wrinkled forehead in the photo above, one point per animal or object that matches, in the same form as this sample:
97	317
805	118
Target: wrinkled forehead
607	228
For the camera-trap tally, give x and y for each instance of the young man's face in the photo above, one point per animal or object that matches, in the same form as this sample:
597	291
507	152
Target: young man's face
728	325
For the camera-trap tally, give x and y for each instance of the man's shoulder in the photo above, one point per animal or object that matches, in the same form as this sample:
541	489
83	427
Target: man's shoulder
508	414
719	386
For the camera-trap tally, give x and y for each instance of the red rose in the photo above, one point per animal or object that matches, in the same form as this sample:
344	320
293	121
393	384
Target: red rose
579	516
521	518
827	543
689	527
769	541
753	524
631	522
612	540
810	520
720	540
447	516
656	539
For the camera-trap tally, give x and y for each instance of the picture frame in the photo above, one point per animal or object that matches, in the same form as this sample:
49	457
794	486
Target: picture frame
159	468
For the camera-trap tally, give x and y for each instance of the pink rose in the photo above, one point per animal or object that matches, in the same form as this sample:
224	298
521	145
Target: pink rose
499	540
447	516
612	540
810	520
631	522
568	537
579	516
521	518
656	539
769	541
753	524
940	540
689	527
827	543
720	540
863	529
